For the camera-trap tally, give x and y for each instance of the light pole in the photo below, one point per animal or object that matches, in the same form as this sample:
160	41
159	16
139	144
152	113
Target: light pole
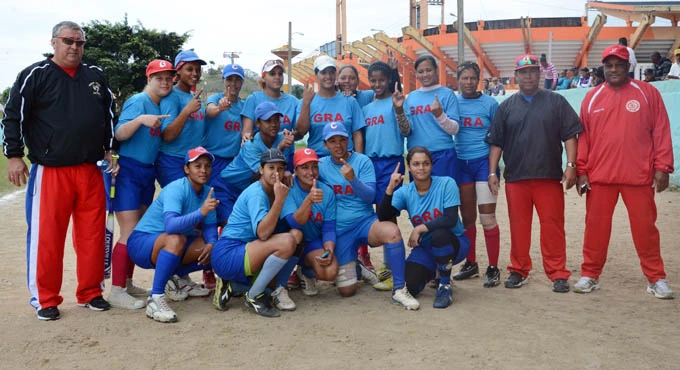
290	55
461	30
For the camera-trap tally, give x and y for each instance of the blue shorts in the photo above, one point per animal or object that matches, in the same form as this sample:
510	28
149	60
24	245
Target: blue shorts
225	207
384	167
135	185
422	254
445	163
228	258
169	168
474	170
349	240
140	247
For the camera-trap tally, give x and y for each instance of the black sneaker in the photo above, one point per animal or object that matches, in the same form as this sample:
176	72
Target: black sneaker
222	294
493	277
49	314
515	280
469	270
96	304
262	305
560	286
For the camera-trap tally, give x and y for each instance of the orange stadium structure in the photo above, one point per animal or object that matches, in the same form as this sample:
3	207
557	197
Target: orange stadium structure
568	42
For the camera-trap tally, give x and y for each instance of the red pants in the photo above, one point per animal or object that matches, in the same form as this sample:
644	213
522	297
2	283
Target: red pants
600	204
54	195
548	198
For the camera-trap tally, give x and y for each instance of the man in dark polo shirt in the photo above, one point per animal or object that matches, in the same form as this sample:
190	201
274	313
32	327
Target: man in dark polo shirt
528	129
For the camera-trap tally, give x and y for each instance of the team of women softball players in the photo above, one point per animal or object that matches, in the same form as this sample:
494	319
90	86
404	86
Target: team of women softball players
258	217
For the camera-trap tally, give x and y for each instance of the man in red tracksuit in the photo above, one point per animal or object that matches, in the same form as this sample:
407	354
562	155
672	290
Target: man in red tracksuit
62	110
625	149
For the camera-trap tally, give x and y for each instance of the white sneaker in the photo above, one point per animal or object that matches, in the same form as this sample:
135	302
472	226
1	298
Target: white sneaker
282	300
404	298
307	284
174	291
119	298
136	291
367	275
157	308
192	288
660	290
586	285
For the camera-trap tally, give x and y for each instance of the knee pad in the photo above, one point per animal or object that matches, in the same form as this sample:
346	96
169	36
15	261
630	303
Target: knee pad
347	275
488	220
484	195
416	277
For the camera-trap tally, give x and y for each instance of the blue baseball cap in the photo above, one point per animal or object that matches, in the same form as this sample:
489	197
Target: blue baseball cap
265	110
233	69
197	152
334	129
187	56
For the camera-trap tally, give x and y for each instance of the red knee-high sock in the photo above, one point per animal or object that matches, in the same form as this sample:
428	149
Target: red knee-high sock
363	250
471	233
493	244
120	265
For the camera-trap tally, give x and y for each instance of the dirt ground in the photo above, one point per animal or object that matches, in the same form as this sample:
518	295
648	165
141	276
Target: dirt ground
619	327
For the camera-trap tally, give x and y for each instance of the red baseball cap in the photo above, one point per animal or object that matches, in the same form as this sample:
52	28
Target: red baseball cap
526	61
197	152
618	51
304	155
158	65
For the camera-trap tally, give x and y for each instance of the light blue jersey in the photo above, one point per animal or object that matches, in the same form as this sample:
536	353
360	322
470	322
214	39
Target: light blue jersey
250	208
383	138
476	116
339	108
365	97
192	133
239	173
287	104
222	136
143	145
425	130
321	212
422	209
178	196
350	207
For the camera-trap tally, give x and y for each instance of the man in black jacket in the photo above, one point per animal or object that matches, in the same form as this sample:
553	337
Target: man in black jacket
62	110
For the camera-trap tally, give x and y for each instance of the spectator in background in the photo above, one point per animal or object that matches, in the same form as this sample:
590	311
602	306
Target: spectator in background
631	59
548	68
497	87
584	79
649	75
563	81
573	82
675	68
662	66
597	76
487	89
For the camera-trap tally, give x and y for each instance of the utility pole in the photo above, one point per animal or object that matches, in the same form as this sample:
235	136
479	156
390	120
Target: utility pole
461	35
231	55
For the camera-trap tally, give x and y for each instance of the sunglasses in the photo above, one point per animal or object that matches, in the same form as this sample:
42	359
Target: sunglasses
270	64
69	41
527	62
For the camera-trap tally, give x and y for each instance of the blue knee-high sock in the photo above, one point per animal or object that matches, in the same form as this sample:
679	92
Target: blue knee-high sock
166	264
308	271
396	257
444	256
272	265
284	274
184	270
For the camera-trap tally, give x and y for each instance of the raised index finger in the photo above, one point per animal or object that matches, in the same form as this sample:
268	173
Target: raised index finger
200	92
210	193
396	169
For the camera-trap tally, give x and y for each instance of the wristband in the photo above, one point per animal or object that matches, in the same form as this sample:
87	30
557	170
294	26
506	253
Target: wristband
492	174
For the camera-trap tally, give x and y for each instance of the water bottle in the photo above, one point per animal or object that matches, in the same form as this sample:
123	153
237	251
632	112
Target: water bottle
103	165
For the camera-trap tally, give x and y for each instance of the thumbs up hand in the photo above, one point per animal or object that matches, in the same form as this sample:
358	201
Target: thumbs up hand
315	194
436	107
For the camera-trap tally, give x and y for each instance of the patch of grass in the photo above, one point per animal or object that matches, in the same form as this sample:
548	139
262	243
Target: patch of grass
5	185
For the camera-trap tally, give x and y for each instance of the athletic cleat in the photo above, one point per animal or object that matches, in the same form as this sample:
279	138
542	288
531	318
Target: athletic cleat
660	290
192	288
136	291
261	305
294	280
308	284
586	285
560	286
157	308
384	273
367	274
173	290
444	296
222	294
281	299
385	286
493	277
49	314
404	298
96	304
119	298
209	281
469	270
515	280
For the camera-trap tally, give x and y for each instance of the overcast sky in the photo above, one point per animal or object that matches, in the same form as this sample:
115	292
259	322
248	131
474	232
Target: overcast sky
251	27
